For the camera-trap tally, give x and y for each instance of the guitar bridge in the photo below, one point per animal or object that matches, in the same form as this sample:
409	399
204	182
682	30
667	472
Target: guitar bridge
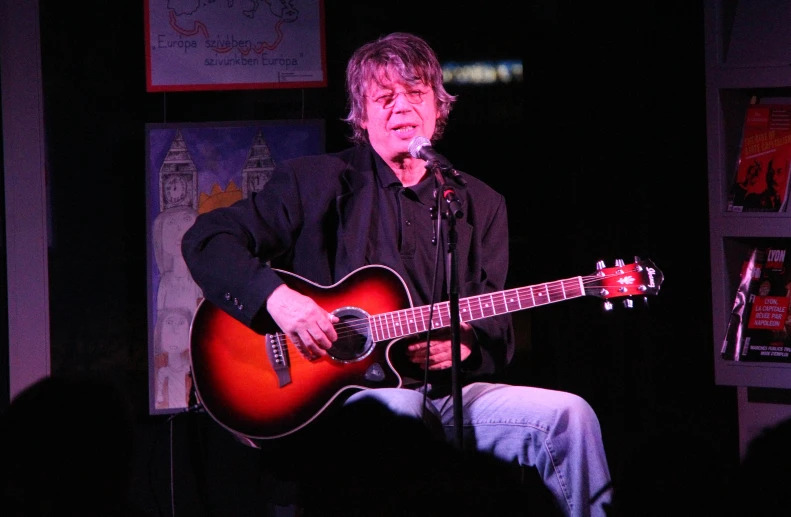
277	352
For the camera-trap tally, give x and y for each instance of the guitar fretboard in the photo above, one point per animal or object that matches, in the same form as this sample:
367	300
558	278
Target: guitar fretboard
392	325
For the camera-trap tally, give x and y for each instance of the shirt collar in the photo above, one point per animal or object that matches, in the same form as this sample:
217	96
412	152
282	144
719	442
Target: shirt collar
384	174
387	178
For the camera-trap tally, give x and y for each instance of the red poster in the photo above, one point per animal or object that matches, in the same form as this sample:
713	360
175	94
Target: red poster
759	328
762	170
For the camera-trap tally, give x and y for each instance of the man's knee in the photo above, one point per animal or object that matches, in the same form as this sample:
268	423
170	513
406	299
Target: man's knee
394	407
398	401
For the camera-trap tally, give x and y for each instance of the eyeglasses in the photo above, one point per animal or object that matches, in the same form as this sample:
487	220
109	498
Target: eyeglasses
387	100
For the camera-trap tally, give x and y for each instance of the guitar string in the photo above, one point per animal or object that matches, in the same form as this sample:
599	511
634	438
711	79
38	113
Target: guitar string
499	305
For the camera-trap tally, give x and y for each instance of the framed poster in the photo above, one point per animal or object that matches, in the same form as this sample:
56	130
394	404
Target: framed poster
207	45
191	169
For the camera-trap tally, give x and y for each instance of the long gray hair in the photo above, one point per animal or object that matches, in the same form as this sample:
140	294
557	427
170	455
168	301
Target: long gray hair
395	57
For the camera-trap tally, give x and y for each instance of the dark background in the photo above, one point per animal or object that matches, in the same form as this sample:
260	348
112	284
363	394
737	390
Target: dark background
601	153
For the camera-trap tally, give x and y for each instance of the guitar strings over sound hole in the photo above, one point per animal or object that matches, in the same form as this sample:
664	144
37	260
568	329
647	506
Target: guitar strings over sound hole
354	340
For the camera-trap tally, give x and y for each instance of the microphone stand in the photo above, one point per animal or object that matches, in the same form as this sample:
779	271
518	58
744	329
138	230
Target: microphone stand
452	212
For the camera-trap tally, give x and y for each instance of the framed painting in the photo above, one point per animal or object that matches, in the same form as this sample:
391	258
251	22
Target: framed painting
194	168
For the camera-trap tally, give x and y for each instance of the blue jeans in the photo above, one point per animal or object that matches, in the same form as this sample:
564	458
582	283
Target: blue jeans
556	432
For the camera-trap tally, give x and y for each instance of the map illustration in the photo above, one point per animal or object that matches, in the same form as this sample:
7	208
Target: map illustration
234	44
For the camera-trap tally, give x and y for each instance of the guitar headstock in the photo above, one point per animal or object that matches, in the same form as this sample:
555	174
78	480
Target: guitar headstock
641	278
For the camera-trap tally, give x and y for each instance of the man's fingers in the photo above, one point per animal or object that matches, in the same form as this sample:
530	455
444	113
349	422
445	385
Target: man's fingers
328	330
307	347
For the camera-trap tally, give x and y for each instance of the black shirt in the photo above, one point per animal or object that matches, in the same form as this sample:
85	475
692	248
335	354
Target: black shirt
407	229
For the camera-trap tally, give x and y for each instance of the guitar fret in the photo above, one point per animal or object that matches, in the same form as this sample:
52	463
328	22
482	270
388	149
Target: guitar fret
473	306
527	302
390	327
411	327
383	323
398	323
492	306
568	288
375	328
577	288
512	300
486	308
500	295
403	322
385	326
559	295
543	295
423	324
377	325
398	329
464	310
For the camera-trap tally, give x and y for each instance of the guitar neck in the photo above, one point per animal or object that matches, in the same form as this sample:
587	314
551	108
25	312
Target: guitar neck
392	325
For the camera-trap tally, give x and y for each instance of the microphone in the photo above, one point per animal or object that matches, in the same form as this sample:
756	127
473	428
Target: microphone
420	147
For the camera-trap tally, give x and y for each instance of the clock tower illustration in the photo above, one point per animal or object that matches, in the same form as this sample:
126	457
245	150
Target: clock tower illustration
178	177
258	167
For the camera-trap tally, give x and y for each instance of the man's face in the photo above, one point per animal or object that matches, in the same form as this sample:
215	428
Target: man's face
764	289
396	113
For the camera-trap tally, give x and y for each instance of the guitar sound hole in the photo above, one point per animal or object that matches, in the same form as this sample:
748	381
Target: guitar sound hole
354	341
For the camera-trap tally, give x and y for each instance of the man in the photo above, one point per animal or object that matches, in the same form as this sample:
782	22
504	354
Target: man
325	217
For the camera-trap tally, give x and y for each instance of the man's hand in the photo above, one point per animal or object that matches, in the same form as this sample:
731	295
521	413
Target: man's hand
307	325
440	355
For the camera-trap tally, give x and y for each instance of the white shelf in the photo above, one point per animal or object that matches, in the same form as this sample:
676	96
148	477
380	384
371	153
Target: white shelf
754	375
745	58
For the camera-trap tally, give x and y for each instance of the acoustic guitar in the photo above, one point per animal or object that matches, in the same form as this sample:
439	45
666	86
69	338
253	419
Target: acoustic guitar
258	384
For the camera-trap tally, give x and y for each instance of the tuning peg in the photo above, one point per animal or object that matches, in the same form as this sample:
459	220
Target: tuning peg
607	306
629	302
619	262
599	266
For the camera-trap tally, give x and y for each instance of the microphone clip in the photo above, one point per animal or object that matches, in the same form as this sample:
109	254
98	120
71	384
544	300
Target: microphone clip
454	204
455	175
446	170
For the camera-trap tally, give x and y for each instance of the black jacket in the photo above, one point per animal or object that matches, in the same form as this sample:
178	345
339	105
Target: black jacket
313	219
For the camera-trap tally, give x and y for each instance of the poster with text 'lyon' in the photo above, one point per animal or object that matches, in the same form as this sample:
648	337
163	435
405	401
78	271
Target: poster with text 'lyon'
194	45
759	328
